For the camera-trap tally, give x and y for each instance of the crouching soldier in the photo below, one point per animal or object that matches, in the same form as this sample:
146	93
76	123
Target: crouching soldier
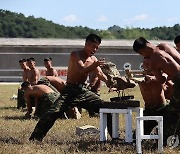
57	84
44	98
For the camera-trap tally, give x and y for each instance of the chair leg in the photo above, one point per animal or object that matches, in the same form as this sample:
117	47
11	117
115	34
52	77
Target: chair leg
138	135
160	133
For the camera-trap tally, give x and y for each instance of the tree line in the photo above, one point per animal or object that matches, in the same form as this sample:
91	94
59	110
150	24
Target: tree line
16	25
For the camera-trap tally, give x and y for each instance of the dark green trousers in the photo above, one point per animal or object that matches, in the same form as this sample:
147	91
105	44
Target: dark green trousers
45	102
72	95
21	103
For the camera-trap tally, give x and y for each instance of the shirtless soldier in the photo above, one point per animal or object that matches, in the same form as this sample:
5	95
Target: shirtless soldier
57	84
44	98
33	75
154	93
20	98
76	93
154	96
161	62
50	70
25	68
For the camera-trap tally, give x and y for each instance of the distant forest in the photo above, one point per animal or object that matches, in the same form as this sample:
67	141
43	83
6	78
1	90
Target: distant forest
16	25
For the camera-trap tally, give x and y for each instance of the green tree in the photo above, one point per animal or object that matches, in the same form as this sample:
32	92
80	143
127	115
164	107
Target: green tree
106	34
17	25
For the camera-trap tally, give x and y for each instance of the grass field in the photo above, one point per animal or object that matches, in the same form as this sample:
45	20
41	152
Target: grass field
15	131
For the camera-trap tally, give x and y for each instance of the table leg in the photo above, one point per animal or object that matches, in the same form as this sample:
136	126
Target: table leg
128	129
103	126
115	125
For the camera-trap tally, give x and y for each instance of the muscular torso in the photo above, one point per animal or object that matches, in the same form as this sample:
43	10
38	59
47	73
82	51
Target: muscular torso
51	72
152	94
74	69
57	82
25	74
38	91
33	76
161	61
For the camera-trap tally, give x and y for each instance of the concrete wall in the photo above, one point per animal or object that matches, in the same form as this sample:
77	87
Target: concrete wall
11	50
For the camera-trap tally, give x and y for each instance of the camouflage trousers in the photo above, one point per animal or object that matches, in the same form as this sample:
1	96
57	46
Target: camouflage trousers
45	102
46	82
72	95
71	112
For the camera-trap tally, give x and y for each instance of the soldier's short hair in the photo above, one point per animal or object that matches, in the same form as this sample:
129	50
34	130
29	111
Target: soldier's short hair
139	44
48	59
177	39
31	59
25	84
22	60
93	38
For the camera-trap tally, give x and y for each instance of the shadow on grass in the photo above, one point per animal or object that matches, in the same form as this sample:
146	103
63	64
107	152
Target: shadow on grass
103	146
93	145
8	108
15	118
10	140
150	145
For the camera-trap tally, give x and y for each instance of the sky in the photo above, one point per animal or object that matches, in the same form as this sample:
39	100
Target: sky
100	14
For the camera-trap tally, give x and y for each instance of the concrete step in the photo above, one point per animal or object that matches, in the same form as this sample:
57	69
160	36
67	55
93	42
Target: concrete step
10	79
10	72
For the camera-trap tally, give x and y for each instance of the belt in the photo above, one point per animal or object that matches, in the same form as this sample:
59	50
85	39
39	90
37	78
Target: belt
78	85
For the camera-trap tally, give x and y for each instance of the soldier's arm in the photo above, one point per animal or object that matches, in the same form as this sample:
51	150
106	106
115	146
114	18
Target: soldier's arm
55	73
99	71
80	64
101	75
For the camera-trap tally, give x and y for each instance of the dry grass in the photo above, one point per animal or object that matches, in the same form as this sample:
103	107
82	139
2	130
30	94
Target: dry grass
15	131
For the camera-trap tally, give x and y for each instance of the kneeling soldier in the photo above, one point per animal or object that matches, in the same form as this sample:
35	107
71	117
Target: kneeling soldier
44	98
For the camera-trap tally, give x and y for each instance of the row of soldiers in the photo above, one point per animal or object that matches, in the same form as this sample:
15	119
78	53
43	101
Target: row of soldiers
42	93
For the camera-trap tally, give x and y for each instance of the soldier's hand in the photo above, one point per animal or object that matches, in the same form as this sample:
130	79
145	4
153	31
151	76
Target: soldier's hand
101	62
149	78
